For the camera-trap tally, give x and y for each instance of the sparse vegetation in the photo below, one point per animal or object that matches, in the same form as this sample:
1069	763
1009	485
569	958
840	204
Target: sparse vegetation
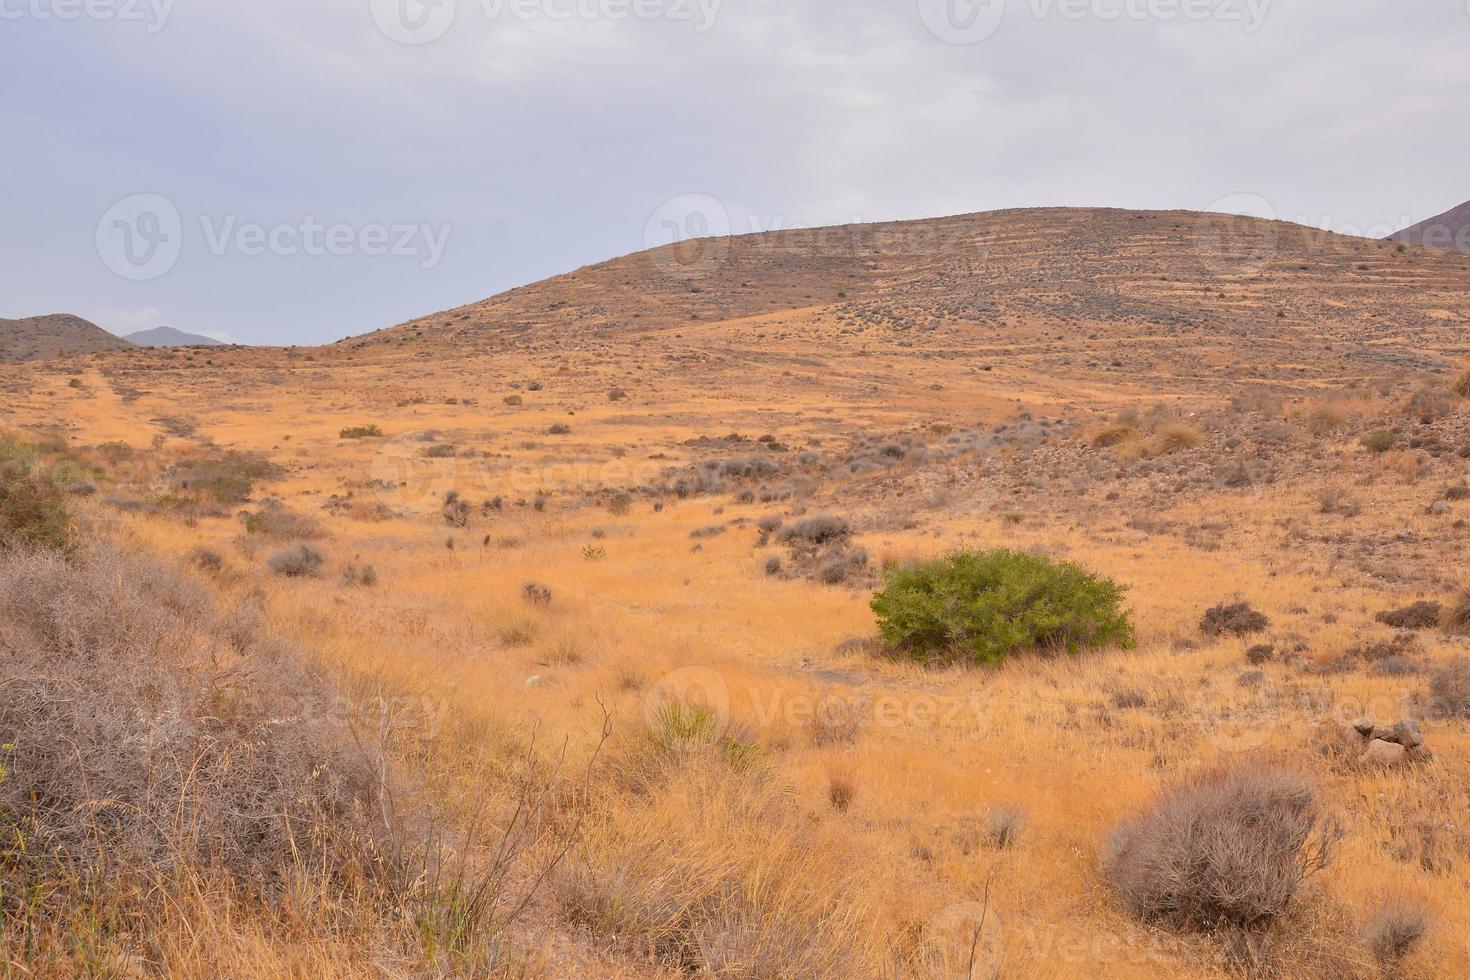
1394	929
33	509
298	561
228	478
139	768
1228	848
275	520
989	605
1455	618
1233	619
361	432
1380	440
1449	688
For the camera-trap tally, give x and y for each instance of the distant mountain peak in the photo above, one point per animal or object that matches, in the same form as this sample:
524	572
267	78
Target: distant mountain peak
169	337
1450	230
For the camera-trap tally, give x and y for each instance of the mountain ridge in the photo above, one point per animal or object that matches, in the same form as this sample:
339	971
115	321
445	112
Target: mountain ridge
49	335
1449	230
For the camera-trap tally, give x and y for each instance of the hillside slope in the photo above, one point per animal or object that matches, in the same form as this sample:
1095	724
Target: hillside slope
969	277
37	337
1450	230
169	337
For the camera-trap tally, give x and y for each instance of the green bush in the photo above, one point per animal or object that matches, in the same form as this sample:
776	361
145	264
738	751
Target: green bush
989	604
1380	441
33	510
229	478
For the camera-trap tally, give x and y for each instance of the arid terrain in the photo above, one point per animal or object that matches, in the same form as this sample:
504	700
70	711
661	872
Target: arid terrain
502	540
39	337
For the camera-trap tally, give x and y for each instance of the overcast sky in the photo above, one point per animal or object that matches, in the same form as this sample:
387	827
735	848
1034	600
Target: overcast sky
296	171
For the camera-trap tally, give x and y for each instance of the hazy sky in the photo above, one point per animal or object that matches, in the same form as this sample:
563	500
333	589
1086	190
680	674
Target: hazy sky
295	171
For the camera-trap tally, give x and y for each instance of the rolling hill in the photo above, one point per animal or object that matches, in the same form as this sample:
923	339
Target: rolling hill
39	337
169	337
1450	230
972	278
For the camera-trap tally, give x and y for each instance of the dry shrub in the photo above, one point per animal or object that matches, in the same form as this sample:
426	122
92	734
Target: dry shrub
718	873
1430	404
33	511
1334	498
1228	848
1113	435
275	520
1324	420
1394	930
813	532
841	789
1234	619
1455	617
833	723
206	560
1449	688
1461	384
298	561
1175	438
228	478
149	735
1420	615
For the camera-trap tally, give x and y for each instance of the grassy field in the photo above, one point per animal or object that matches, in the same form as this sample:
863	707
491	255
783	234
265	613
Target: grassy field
540	592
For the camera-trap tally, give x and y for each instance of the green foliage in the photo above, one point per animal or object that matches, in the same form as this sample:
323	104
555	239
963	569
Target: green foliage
1380	441
679	729
989	604
33	510
229	478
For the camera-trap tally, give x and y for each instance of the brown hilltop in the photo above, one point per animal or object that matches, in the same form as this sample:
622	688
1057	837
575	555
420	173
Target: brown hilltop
1450	230
38	337
973	278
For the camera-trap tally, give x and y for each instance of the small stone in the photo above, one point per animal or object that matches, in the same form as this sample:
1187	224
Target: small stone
534	680
1365	726
1409	734
1381	753
1383	733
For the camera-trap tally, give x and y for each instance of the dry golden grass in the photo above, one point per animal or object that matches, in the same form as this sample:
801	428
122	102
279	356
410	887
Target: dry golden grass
849	815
